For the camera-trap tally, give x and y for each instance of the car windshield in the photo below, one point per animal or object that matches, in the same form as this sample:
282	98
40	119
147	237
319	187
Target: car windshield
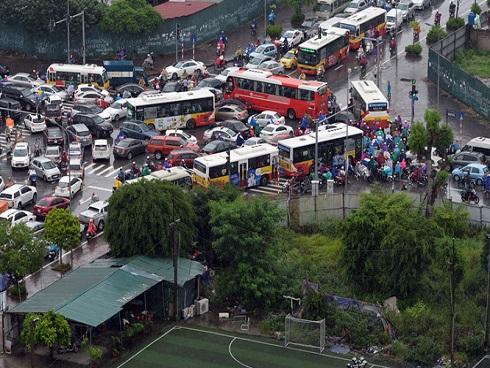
52	151
289	55
83	133
63	184
102	147
288	34
6	196
20	152
391	19
27	93
75	167
211	146
269	128
206	83
353	4
179	64
43	202
37	119
307	24
116	105
260	49
54	132
56	89
144	127
49	165
124	143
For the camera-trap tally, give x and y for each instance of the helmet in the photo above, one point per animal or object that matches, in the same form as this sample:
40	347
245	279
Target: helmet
134	163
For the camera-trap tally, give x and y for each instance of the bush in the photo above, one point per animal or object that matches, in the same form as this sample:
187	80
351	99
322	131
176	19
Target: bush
413	49
454	23
17	291
425	351
297	18
272	324
130	16
435	34
475	8
274	30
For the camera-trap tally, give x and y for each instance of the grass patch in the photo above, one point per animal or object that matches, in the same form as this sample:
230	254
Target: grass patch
474	61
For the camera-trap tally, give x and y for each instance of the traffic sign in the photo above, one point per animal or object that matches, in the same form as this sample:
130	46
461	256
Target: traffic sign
450	114
461	115
193	37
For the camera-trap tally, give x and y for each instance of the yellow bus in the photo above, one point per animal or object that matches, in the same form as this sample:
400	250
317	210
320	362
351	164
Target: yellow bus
63	75
246	167
360	24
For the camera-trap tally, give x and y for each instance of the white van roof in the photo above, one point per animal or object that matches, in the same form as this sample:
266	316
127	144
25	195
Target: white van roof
482	142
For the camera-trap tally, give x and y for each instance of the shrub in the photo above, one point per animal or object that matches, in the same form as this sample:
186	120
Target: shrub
435	34
130	16
274	30
475	8
413	49
454	23
425	351
297	18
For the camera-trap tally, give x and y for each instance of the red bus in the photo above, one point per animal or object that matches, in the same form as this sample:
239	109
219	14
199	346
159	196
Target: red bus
290	97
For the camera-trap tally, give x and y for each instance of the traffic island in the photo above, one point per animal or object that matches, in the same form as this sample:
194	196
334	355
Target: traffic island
61	267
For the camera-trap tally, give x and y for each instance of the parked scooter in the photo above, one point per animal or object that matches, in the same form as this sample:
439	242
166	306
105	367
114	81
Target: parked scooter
470	195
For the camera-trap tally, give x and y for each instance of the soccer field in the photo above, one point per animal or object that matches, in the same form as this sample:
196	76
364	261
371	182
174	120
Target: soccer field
185	347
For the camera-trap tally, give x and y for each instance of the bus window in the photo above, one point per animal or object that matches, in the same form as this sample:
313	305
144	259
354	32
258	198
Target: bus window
259	86
233	168
288	92
283	151
306	95
217	171
270	88
199	167
303	154
150	112
258	162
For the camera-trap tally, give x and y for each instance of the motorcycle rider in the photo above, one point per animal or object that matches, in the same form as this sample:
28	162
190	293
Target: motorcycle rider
392	43
32	177
91	229
146	170
452	9
135	170
220	62
437	18
253	29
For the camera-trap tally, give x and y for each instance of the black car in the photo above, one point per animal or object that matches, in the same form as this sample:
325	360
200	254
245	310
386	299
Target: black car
13	108
132	88
137	130
23	95
81	108
171	86
217	146
236	126
211	82
97	126
128	148
53	136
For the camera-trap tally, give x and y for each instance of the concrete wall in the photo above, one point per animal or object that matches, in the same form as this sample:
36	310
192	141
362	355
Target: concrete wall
480	38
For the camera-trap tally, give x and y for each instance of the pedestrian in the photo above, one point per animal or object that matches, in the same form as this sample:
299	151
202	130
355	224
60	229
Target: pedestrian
70	90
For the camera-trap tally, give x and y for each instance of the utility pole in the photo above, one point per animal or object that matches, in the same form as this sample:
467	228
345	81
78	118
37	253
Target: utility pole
175	258
487	313
68	28
177	33
265	19
68	20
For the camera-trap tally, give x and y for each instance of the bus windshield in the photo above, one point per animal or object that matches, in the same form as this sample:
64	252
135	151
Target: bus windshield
308	57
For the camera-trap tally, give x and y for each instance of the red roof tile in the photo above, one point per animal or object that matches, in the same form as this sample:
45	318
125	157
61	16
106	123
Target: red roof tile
174	9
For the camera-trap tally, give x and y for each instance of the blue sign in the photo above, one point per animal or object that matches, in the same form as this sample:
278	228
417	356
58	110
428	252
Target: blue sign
461	115
193	37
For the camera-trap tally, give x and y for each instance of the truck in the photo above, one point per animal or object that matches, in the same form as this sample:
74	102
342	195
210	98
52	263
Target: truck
121	72
96	211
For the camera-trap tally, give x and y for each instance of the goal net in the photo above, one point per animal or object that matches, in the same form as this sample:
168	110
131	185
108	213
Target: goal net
304	332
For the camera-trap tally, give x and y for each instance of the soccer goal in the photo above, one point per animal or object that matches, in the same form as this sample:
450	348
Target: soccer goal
304	332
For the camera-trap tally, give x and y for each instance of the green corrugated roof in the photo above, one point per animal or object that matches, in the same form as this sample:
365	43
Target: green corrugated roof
95	292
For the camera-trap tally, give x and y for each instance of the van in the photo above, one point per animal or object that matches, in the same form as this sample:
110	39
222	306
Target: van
394	19
101	150
478	144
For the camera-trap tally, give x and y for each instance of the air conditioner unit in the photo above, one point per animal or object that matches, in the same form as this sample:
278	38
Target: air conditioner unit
202	306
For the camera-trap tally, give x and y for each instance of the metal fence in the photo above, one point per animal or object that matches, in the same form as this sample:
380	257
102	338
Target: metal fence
448	76
205	25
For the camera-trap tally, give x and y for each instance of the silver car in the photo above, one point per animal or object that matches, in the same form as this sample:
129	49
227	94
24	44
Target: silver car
272	66
25	80
46	169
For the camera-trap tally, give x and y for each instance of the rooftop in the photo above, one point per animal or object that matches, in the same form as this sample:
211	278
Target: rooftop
176	9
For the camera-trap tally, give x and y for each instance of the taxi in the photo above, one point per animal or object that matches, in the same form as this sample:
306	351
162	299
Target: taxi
289	60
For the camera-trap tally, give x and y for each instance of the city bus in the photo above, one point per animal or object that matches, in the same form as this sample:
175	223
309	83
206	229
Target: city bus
369	103
328	48
174	110
360	24
297	155
327	8
62	75
288	96
246	167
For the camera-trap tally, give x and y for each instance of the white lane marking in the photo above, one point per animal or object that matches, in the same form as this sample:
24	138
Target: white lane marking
100	188
340	66
111	173
96	169
233	357
84	201
89	166
106	170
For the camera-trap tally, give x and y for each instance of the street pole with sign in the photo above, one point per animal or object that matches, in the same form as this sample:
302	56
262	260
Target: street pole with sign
413	97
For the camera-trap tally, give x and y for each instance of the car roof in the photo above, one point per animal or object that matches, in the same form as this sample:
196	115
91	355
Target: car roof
43	159
80	127
181	151
8	213
166	137
22	74
101	142
99	204
13	188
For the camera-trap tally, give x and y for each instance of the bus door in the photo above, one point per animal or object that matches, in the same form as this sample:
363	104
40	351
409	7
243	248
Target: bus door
243	173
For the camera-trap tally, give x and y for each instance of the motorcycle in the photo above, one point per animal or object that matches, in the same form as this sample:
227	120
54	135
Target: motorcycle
362	172
437	19
470	196
220	62
33	180
148	62
253	30
392	46
37	150
90	231
53	252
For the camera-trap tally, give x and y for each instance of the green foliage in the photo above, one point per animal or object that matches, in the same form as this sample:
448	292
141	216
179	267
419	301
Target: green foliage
474	62
22	253
274	30
36	15
62	228
94	351
417	140
413	49
475	8
452	220
315	307
424	350
47	329
138	222
454	23
245	249
130	16
297	18
272	324
436	33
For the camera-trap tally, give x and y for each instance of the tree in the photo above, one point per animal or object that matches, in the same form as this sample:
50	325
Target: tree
130	16
298	15
61	227
138	222
48	329
244	244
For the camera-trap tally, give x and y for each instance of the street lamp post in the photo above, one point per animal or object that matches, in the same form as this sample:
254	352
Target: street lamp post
349	70
265	19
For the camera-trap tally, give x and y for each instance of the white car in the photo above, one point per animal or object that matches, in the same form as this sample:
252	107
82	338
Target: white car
272	133
293	37
223	133
25	80
18	195
84	87
356	6
75	150
46	169
92	97
53	153
177	70
49	90
35	123
180	133
421	4
268	117
2	184
118	110
224	74
21	156
101	150
15	217
64	185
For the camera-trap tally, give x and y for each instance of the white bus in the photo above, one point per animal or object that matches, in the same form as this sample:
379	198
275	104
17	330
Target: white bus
62	75
176	175
175	110
369	103
246	167
359	24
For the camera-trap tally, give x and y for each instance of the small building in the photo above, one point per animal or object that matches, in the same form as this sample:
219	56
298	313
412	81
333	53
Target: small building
182	8
106	294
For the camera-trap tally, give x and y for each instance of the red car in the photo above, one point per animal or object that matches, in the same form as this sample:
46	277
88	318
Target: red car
162	145
46	204
176	157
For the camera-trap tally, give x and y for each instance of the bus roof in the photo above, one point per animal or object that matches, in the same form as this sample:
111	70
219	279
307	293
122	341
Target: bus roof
171	174
330	132
364	15
263	76
316	43
331	23
87	68
213	160
368	91
158	98
238	154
